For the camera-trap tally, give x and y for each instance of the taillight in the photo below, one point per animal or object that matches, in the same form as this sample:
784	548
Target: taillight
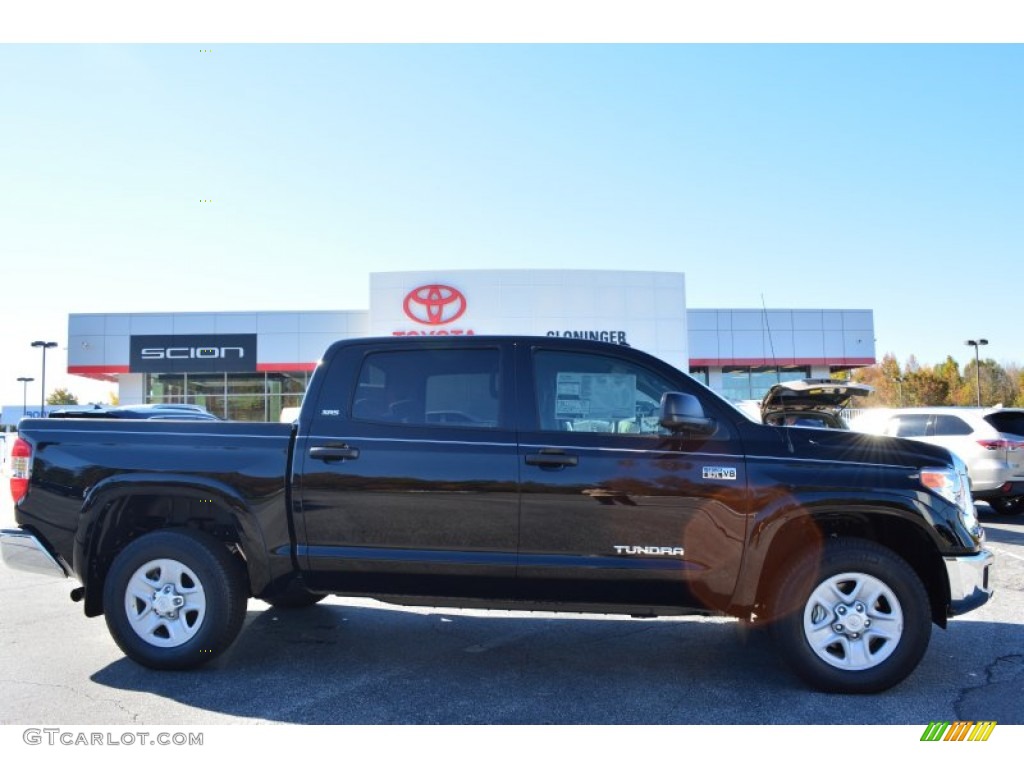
21	468
997	445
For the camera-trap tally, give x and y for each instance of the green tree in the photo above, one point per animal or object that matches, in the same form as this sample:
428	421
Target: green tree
943	384
924	387
61	397
996	385
1015	376
1003	384
949	372
882	376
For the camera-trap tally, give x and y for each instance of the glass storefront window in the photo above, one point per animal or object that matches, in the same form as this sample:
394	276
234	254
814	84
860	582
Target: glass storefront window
287	383
275	403
239	397
204	384
747	383
206	390
246	407
736	383
165	388
246	384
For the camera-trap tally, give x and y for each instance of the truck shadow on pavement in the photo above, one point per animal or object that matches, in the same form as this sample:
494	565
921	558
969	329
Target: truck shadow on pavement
1004	534
338	663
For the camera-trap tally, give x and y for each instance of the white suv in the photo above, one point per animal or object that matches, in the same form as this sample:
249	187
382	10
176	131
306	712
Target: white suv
989	440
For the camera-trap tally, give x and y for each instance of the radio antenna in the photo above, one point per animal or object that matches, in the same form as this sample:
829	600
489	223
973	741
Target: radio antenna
778	374
771	342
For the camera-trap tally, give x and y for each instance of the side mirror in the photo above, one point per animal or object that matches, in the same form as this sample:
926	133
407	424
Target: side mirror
683	413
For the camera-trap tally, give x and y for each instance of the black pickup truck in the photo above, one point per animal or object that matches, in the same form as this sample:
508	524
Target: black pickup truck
505	472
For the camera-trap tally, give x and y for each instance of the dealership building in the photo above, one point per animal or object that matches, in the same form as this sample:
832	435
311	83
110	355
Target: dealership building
250	365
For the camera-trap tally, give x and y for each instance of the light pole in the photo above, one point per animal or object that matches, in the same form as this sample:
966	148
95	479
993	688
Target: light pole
899	383
977	344
24	393
44	345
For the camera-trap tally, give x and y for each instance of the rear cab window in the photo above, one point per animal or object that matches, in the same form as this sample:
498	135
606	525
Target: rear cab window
429	387
378	388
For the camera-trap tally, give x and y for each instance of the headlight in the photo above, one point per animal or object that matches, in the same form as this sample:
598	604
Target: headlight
951	484
944	481
947	482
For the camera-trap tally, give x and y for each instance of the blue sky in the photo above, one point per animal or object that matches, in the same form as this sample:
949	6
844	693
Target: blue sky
886	177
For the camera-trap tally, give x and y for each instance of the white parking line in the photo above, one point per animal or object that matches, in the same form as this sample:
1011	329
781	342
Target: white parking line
1002	552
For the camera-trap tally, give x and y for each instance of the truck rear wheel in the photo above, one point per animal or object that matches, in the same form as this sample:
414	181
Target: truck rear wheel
174	599
858	621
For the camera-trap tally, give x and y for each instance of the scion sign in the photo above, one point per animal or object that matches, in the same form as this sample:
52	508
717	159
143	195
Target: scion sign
200	353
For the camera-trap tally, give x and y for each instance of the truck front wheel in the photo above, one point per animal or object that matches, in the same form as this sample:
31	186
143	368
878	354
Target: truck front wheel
174	599
856	621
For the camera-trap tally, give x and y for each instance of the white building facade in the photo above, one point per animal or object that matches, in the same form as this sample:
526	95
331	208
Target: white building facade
250	365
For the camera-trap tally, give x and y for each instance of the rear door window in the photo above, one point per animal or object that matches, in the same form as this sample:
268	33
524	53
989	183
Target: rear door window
946	424
908	425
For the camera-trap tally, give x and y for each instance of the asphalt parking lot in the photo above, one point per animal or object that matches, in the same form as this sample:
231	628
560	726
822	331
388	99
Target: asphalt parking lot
349	661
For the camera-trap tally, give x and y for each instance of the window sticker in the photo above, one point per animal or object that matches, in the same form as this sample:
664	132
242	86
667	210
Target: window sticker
595	396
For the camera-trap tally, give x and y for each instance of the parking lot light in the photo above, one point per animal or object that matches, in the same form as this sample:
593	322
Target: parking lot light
24	393
977	344
44	345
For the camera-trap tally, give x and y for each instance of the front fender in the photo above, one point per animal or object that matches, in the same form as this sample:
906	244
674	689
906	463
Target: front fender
784	529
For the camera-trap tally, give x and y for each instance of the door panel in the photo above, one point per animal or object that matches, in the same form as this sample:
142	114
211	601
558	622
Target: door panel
628	514
413	485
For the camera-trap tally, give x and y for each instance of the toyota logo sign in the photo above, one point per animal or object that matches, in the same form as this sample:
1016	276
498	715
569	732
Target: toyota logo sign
434	304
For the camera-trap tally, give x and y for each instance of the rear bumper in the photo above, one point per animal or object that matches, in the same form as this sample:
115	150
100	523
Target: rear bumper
23	551
969	585
1006	490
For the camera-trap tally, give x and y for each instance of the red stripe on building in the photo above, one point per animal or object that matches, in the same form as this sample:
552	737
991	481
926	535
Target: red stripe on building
284	367
715	362
101	372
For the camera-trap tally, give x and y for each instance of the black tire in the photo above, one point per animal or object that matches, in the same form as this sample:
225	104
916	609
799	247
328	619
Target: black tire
858	621
293	598
175	599
1007	505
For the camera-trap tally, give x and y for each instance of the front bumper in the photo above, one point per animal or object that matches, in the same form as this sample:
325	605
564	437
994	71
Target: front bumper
969	585
23	551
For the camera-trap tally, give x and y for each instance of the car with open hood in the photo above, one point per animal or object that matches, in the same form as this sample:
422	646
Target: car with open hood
810	402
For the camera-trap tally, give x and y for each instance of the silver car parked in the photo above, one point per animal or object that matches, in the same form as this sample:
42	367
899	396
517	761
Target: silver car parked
989	440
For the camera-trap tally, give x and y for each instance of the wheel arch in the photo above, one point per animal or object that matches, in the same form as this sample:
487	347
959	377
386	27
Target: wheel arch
904	537
120	510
